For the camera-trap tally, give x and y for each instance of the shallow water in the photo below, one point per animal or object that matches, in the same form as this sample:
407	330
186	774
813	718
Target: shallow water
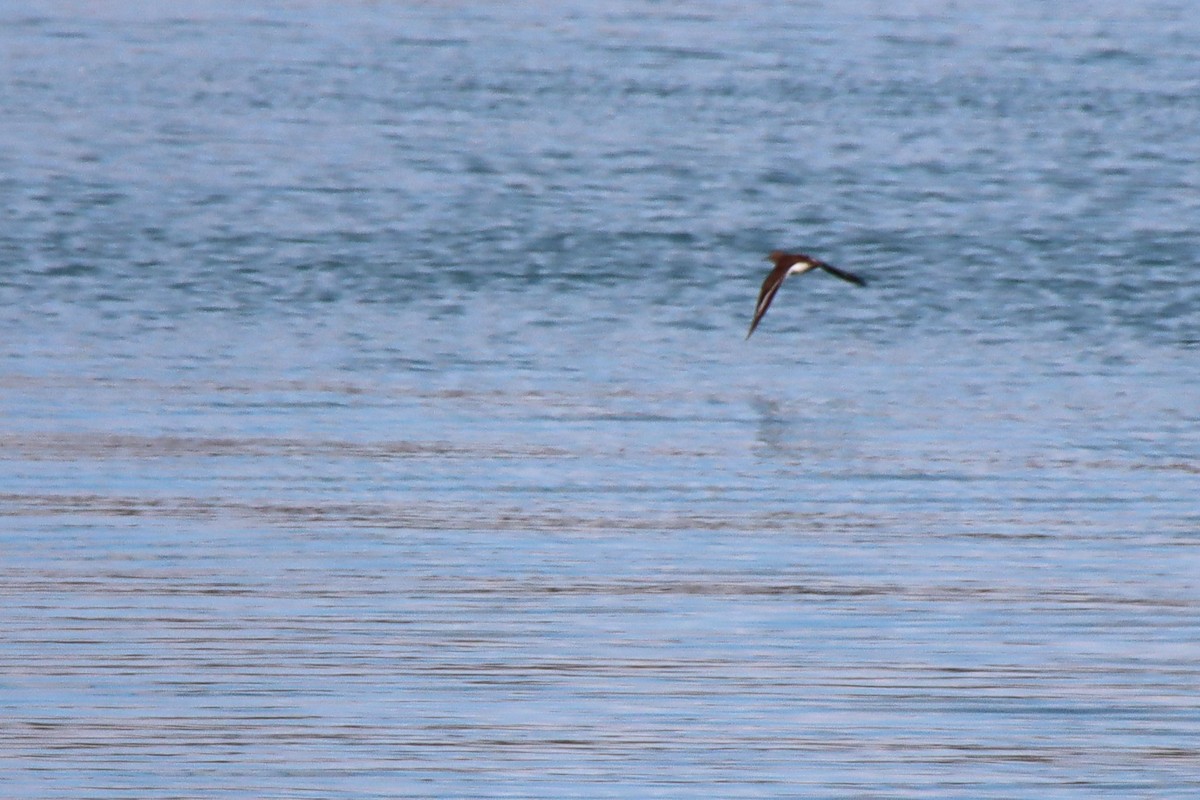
376	418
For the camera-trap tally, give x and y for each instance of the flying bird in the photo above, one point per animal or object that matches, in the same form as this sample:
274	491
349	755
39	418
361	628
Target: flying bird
791	264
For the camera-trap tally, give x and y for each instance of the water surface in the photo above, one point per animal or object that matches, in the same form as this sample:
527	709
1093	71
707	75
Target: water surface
376	418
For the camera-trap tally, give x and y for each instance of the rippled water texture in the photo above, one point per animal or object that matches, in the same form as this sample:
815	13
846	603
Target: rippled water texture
377	418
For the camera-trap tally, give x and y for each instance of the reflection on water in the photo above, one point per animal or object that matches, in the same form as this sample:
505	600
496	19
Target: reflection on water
496	604
376	418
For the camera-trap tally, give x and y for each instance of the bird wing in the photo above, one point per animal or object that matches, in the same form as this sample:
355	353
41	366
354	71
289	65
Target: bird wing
849	277
769	289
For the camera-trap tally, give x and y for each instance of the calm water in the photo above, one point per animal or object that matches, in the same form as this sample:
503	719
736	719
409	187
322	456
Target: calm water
376	418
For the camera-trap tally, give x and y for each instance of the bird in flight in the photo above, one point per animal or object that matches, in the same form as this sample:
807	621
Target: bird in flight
791	264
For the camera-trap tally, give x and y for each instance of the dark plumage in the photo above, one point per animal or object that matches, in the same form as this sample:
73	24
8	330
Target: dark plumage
791	264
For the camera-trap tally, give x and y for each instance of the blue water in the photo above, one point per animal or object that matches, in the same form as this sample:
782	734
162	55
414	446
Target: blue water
377	419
